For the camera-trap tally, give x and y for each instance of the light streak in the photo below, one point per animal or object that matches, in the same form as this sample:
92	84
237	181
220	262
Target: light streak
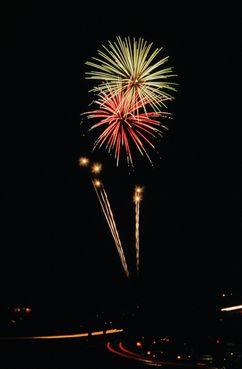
107	211
231	308
134	356
109	331
50	337
122	348
137	199
106	208
98	333
61	336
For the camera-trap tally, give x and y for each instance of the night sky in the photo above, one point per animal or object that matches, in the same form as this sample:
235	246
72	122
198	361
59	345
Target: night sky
55	244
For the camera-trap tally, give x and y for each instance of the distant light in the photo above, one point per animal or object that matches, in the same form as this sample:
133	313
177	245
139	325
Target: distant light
138	344
238	307
178	357
148	352
223	295
217	341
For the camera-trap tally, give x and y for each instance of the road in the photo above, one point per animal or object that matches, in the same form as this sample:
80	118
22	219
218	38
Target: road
75	350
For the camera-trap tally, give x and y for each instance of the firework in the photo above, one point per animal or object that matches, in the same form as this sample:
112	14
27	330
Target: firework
137	199
83	161
106	207
123	125
97	183
107	211
96	168
130	66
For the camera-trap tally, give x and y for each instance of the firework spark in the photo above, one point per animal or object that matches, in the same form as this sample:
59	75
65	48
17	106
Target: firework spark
97	183
137	199
96	168
83	161
131	66
124	125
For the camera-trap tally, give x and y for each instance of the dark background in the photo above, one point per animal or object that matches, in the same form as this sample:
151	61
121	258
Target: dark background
56	249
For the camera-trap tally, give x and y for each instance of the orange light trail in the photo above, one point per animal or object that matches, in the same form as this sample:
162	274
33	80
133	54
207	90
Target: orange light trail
98	333
106	208
137	199
110	331
118	244
107	211
62	336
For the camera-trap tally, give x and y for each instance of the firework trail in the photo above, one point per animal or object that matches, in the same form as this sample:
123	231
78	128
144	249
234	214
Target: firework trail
106	208
107	211
118	241
137	198
97	185
124	123
131	66
137	234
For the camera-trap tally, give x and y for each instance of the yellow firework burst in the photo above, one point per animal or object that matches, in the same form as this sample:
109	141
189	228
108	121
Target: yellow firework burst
131	66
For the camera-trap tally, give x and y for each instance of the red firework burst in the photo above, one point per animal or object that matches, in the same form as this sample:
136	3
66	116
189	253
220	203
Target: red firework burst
123	121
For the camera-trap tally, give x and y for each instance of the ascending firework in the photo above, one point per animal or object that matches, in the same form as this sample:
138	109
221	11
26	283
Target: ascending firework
106	207
132	67
137	198
123	124
107	211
